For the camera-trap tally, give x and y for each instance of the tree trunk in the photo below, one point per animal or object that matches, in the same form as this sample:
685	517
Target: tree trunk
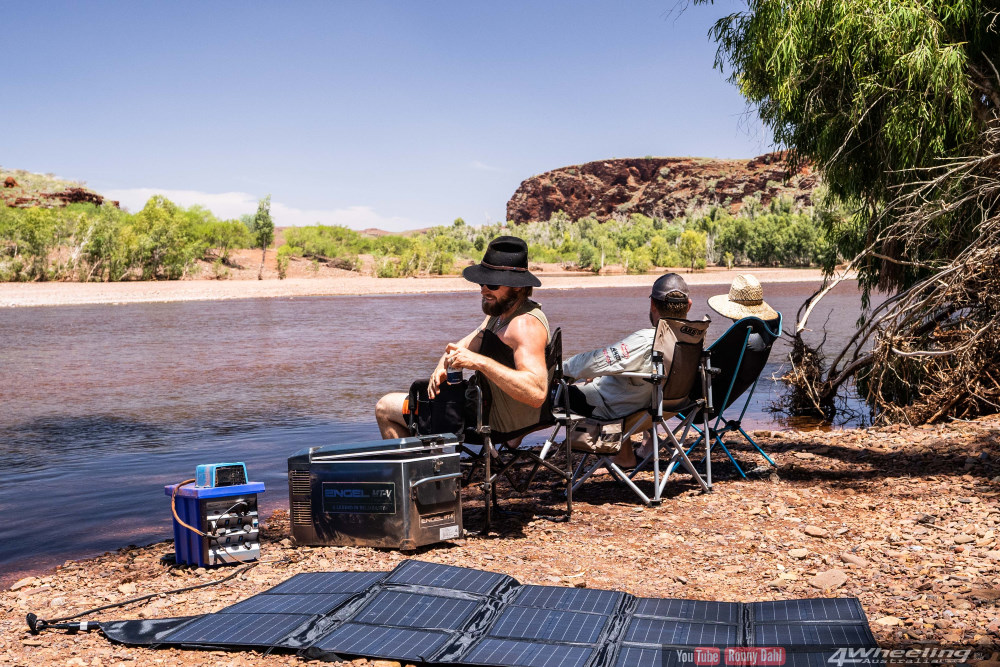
263	255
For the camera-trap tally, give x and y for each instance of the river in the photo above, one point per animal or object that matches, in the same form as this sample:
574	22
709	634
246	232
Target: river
103	405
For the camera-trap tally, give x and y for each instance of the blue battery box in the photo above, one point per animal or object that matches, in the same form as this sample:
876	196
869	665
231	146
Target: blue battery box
228	517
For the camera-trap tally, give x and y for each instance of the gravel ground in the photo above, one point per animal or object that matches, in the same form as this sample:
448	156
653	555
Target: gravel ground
904	519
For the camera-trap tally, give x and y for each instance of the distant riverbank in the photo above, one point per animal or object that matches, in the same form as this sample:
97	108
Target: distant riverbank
64	294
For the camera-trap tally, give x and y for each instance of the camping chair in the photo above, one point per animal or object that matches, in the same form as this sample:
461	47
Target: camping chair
499	454
739	357
679	372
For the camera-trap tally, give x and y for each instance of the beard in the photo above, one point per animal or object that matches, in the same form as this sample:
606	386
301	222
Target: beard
499	304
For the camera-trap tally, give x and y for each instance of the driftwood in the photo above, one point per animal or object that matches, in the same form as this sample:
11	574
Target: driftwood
931	351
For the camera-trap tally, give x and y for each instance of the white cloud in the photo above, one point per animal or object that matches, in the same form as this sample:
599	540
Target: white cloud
482	166
228	205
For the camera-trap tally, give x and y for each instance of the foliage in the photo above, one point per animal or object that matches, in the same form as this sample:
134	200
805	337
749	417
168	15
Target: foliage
87	242
898	102
870	90
164	240
781	234
283	257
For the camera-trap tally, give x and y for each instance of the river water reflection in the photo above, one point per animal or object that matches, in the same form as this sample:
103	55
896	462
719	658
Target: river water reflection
103	405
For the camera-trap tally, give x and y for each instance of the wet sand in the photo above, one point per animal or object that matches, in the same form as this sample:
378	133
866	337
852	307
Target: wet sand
75	293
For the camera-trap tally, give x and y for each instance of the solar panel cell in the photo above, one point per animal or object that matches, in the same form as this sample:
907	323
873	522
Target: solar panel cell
568	599
509	653
416	611
288	604
238	629
419	573
374	641
814	609
690	610
635	656
812	634
549	624
660	632
327	582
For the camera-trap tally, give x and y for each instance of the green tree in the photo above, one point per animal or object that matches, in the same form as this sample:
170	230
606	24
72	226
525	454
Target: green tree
692	247
162	240
870	90
897	102
262	229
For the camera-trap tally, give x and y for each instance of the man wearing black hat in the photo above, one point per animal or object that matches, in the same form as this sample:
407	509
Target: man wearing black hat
606	396
512	360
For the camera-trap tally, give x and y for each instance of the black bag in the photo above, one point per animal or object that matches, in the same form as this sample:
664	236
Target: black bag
448	412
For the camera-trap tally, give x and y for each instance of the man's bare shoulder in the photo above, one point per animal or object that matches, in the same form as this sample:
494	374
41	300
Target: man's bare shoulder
526	329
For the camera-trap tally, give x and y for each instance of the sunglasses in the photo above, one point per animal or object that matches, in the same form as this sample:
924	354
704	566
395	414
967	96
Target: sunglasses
492	288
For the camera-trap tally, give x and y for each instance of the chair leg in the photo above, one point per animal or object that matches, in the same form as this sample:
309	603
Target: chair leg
578	478
569	475
757	447
620	474
487	485
657	488
718	441
680	457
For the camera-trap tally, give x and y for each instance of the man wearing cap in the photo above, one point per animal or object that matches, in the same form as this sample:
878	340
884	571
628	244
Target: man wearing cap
606	396
512	361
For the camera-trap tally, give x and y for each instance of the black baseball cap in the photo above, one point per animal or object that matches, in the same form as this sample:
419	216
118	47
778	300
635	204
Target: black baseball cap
670	288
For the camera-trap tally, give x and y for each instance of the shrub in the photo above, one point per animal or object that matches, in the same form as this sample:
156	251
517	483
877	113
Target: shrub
219	269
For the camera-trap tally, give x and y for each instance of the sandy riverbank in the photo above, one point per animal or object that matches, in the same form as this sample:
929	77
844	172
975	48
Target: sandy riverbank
63	294
904	519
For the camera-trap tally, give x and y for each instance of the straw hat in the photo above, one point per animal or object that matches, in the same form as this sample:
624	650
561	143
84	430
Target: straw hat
745	299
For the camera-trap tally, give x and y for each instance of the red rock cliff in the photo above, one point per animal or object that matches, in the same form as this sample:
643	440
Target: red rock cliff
657	187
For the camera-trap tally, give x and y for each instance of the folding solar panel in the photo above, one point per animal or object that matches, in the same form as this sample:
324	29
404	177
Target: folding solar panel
549	625
394	608
379	642
661	632
510	653
568	599
420	573
238	629
690	610
441	614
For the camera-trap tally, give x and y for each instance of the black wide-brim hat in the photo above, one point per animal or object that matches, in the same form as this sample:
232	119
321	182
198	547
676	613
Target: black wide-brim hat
505	263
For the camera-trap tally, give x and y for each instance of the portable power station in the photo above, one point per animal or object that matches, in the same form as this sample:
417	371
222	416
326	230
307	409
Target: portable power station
222	511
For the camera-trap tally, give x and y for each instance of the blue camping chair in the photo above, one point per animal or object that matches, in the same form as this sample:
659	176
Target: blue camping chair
738	358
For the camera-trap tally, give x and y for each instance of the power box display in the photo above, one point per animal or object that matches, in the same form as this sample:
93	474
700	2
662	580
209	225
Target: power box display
220	474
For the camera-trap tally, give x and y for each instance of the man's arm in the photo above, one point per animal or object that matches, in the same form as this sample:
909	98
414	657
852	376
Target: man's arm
631	354
528	381
471	342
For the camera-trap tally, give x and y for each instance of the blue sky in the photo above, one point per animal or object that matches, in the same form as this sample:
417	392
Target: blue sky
371	114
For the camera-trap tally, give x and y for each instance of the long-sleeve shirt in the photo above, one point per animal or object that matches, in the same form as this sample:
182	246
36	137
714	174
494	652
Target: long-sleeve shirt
615	396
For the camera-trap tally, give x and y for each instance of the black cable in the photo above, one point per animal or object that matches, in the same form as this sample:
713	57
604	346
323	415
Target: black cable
36	624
